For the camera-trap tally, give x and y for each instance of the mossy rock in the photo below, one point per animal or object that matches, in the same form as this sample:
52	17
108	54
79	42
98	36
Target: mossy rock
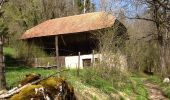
27	93
54	88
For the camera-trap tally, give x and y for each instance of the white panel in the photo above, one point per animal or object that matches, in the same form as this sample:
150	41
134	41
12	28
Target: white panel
72	61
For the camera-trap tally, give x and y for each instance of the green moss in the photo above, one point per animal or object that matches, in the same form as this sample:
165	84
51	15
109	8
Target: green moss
26	93
50	85
52	82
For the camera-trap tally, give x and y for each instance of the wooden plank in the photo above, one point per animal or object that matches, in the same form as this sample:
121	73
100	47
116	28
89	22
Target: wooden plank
57	50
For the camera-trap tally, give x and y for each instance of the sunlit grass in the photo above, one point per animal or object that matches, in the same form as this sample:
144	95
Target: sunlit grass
15	74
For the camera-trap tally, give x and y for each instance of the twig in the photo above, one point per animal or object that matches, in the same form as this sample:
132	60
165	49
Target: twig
141	18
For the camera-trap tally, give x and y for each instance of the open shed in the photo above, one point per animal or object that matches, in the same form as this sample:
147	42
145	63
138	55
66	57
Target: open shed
67	36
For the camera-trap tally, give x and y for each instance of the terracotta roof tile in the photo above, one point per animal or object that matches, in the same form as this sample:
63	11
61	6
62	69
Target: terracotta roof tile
71	24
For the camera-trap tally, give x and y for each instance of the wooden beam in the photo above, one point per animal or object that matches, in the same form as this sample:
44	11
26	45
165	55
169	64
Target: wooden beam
57	50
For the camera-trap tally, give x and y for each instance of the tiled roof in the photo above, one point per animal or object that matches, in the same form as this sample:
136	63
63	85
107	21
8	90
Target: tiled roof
71	24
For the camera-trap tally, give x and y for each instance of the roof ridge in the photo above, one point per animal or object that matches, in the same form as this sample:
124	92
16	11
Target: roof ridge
101	12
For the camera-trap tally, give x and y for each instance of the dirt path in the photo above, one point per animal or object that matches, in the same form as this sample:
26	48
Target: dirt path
154	92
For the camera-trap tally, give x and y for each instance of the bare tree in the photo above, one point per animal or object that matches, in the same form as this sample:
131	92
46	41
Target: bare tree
158	11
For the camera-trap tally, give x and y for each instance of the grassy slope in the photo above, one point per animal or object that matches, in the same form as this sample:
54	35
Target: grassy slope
87	80
134	90
16	72
96	87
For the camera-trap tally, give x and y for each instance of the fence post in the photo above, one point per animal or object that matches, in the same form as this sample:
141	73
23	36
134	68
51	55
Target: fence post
93	58
57	50
78	67
36	62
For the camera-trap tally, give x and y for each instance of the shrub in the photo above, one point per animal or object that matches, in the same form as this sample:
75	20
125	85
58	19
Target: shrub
167	91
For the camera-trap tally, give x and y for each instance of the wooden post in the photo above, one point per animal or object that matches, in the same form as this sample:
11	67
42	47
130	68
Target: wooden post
78	67
57	50
93	60
36	62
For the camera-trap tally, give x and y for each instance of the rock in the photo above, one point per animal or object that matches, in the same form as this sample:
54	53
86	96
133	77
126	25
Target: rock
28	93
166	80
49	89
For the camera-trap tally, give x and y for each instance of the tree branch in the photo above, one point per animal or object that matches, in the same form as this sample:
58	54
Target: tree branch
147	19
162	4
2	2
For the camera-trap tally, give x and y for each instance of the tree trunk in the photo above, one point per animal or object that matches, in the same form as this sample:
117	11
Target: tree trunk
2	66
164	53
162	50
84	10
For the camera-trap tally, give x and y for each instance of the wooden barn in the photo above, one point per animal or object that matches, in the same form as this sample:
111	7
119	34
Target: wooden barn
65	37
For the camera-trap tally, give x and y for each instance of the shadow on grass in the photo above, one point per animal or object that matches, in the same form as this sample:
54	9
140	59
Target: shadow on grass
11	61
13	64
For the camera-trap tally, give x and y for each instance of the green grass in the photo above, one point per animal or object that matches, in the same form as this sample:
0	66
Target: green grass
132	85
154	79
15	74
90	78
166	89
140	89
9	51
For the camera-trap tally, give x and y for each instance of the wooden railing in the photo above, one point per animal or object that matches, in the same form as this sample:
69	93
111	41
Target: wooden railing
47	62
